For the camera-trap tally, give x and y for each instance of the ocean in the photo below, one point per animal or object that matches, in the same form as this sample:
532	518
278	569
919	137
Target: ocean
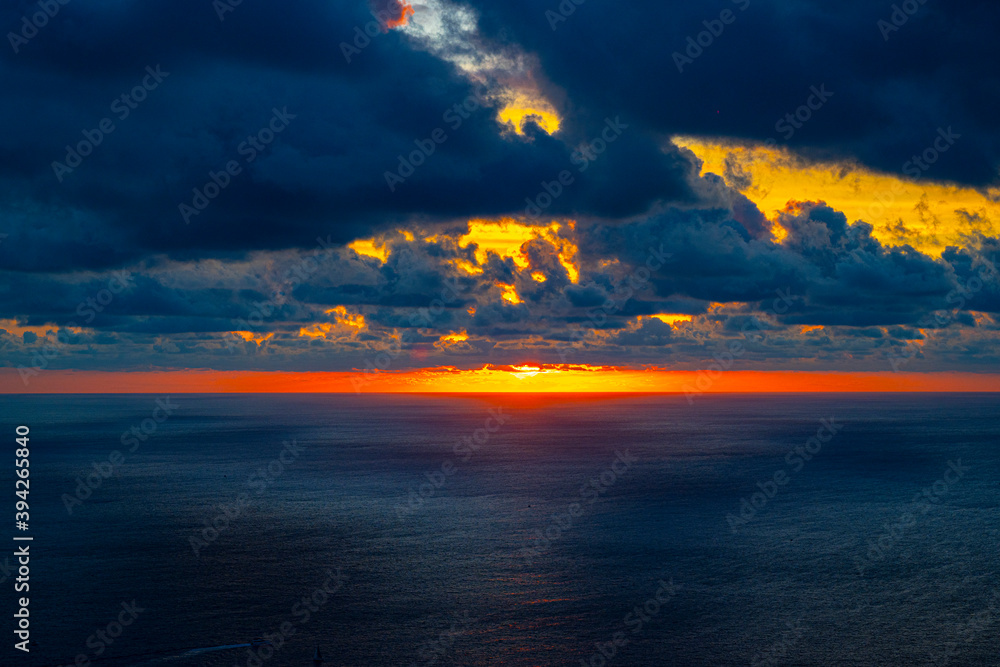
822	529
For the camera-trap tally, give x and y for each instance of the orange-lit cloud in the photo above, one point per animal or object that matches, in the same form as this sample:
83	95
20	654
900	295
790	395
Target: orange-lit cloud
672	319
251	337
405	11
455	337
467	267
451	339
503	237
524	108
344	325
320	330
12	327
567	252
922	213
509	293
778	233
341	316
513	80
507	238
982	318
368	248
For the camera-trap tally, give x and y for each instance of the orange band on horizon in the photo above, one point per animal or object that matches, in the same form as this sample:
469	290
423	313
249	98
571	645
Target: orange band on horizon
490	379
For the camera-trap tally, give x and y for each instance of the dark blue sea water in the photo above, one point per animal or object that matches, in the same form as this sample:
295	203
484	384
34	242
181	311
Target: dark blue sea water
538	543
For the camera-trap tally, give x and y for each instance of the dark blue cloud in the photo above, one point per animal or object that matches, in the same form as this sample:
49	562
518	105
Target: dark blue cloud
287	143
889	97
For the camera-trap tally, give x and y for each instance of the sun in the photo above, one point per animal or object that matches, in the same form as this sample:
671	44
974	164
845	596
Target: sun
529	371
521	372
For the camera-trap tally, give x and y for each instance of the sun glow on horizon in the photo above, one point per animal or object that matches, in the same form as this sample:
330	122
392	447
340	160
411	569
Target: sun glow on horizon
522	372
549	379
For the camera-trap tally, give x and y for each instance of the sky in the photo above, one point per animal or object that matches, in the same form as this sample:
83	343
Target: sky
590	195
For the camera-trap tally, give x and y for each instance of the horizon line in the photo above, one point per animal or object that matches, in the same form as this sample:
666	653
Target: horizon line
577	380
796	392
